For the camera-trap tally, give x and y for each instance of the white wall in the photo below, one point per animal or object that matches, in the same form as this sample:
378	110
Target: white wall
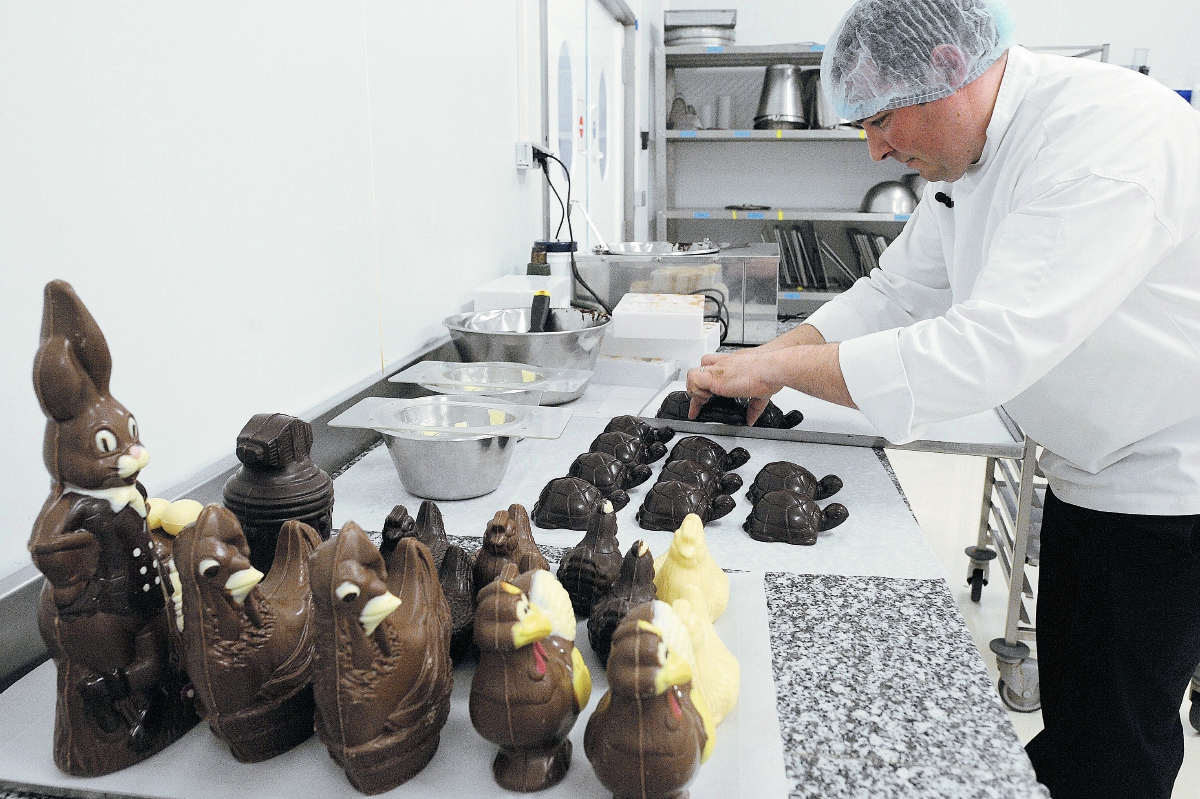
1167	27
205	175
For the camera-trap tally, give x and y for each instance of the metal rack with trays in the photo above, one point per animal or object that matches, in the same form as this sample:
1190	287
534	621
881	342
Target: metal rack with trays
816	176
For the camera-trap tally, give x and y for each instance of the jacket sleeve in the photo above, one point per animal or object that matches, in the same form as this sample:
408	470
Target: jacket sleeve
912	284
1056	268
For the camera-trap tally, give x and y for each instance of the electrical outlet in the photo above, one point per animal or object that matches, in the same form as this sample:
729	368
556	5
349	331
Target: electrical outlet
525	155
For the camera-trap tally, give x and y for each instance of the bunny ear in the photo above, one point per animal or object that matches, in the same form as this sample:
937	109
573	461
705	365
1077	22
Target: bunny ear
59	380
65	316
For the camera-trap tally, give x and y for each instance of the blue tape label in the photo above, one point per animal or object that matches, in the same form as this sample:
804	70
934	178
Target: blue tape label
701	215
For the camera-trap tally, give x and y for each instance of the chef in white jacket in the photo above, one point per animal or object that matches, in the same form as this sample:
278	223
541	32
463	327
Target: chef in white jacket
1052	267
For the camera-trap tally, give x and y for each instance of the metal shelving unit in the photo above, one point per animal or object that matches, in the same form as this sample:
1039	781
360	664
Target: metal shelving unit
695	173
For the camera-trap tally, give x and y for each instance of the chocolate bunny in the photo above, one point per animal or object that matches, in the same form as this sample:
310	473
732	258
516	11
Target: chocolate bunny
103	611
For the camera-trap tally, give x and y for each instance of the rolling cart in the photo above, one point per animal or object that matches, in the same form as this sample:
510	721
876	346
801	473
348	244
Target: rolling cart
1009	526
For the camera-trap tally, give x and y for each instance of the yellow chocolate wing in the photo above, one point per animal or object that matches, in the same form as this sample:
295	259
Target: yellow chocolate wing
581	679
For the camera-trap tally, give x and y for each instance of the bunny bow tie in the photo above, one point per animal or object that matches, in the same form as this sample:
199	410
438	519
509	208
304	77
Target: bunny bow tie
117	498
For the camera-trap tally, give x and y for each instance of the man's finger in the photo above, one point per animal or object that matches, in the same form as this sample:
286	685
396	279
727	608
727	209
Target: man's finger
709	359
694	407
755	409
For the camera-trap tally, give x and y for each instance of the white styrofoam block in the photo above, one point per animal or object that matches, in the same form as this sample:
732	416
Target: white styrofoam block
674	316
616	370
516	291
712	336
686	351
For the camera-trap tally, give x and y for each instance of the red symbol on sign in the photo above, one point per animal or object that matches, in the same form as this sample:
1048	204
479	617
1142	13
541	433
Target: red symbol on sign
581	127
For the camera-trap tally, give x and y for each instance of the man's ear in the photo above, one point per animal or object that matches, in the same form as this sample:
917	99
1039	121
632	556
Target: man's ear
949	64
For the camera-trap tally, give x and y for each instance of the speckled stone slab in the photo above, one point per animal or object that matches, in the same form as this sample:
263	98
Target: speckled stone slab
881	692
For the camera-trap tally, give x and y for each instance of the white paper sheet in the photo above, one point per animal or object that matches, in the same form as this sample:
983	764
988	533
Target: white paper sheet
747	761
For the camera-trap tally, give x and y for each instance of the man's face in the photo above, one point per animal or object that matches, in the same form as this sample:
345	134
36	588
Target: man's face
932	138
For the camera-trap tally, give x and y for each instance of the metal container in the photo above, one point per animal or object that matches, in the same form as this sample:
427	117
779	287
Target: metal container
699	28
572	341
889	197
448	466
746	276
781	104
817	106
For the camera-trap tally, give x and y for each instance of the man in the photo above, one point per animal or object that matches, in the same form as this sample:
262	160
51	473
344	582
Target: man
1052	267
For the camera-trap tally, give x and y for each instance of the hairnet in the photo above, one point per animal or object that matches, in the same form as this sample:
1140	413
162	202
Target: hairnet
881	55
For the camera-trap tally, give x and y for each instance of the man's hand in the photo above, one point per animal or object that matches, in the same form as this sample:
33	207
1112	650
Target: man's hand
760	373
747	374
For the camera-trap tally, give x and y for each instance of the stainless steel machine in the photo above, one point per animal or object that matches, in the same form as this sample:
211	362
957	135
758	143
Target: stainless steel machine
744	276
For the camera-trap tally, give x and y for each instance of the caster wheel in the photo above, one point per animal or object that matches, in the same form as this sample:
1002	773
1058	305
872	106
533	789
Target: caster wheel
977	583
1194	713
1021	704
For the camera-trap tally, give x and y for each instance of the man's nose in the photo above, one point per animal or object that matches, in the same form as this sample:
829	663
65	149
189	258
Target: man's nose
878	147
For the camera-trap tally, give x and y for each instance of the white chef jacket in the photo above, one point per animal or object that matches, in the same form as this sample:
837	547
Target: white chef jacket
1064	284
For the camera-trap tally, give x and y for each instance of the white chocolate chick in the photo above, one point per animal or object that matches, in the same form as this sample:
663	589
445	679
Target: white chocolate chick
717	674
688	562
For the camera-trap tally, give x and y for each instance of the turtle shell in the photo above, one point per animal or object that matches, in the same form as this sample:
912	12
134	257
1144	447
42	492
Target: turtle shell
791	518
568	502
629	450
707	452
668	502
779	475
640	429
726	410
709	480
607	473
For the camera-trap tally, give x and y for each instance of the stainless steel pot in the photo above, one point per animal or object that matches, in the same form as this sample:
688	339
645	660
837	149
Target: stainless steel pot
781	104
817	106
572	340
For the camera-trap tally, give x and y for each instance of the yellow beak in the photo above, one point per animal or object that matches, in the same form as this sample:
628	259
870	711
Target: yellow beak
376	610
676	671
242	582
534	627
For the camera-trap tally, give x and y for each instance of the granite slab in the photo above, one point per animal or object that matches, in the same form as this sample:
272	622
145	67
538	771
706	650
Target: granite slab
881	692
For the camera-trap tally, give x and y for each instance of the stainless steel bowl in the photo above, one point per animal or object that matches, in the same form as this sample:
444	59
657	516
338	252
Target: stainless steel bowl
889	197
573	341
781	104
444	465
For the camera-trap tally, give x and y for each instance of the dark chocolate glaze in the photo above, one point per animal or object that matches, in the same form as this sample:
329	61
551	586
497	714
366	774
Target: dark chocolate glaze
277	482
634	585
508	538
641	743
428	528
589	570
668	502
726	410
792	518
457	586
382	698
103	612
707	452
639	428
250	661
568	502
628	449
779	475
607	473
711	481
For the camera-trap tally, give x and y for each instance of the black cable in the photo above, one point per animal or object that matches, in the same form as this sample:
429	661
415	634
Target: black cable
722	315
546	170
571	236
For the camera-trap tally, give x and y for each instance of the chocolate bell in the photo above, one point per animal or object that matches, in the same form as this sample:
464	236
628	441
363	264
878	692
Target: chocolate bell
277	482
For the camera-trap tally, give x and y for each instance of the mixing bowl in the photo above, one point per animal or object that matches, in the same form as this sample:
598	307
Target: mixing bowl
571	341
889	197
446	465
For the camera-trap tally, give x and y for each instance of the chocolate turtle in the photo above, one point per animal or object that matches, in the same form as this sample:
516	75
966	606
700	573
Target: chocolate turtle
568	502
778	475
667	503
707	452
634	585
591	568
726	410
792	518
629	450
649	434
699	475
607	473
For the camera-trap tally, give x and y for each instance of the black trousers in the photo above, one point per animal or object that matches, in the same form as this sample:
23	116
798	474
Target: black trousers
1118	637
